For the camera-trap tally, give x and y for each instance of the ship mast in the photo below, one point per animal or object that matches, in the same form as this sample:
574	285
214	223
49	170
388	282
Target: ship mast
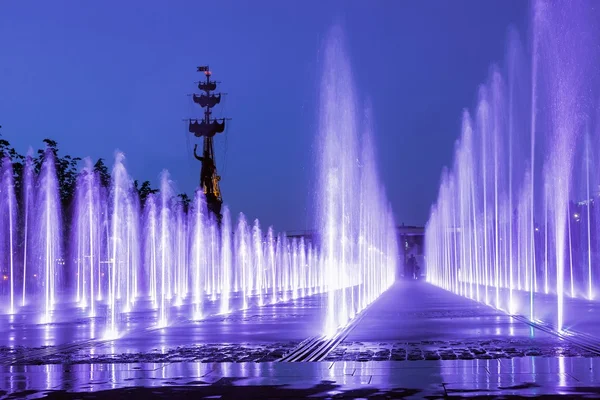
207	128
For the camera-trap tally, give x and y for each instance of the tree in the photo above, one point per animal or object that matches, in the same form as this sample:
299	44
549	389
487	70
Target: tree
6	150
102	170
144	191
185	201
66	170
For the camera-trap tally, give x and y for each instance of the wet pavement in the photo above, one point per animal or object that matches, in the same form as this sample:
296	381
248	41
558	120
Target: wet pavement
257	334
442	325
580	314
455	350
415	341
527	376
416	311
292	320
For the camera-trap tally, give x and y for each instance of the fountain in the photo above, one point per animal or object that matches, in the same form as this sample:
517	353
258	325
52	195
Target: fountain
8	205
48	232
106	252
26	213
120	251
515	223
88	233
358	237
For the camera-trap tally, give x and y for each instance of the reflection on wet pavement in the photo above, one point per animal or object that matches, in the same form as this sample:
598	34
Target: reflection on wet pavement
293	320
531	376
453	350
442	345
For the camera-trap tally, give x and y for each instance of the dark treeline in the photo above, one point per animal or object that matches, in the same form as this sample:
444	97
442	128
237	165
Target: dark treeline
67	171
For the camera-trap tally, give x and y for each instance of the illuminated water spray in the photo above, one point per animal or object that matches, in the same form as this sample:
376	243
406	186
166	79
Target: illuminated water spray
27	210
348	224
525	223
125	242
49	233
9	214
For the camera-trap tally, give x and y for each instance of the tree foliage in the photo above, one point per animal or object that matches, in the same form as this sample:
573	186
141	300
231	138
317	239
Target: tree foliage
67	171
144	191
102	170
185	201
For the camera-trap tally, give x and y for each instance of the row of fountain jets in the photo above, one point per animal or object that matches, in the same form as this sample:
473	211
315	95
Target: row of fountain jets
106	253
506	229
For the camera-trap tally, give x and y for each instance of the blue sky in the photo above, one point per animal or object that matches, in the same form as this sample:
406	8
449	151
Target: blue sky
101	76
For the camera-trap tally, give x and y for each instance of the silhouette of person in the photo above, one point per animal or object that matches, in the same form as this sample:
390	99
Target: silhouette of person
410	266
417	269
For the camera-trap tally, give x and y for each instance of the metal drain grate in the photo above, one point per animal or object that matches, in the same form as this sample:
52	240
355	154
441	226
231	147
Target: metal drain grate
318	348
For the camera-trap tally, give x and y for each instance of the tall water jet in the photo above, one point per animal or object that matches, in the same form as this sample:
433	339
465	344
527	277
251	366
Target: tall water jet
213	253
528	211
226	262
567	71
338	155
258	273
123	252
588	217
302	267
286	265
165	246
367	194
27	195
339	206
49	234
180	254
198	256
151	247
280	255
133	247
271	262
243	259
8	208
87	237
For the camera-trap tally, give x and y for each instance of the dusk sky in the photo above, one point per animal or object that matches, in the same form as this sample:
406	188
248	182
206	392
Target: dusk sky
101	76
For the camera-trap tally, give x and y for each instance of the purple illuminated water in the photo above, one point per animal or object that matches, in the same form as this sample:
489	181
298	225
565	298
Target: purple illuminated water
8	209
106	255
121	256
358	236
516	221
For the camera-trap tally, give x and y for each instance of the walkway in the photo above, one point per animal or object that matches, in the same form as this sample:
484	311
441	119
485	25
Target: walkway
463	349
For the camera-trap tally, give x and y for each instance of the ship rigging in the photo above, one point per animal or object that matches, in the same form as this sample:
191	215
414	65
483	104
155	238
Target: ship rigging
207	128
